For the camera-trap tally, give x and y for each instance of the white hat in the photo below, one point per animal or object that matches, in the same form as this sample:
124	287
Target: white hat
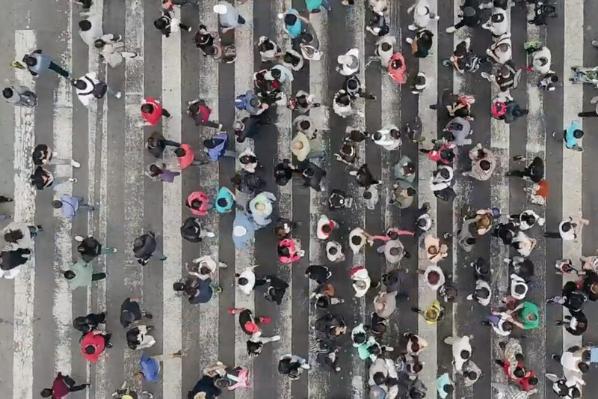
239	231
349	60
220	9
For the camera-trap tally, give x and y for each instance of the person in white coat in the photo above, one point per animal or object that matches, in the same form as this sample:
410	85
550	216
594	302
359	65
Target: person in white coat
380	373
385	48
90	29
348	62
361	281
461	350
388	138
89	87
334	252
498	24
246	280
261	208
422	15
110	48
204	267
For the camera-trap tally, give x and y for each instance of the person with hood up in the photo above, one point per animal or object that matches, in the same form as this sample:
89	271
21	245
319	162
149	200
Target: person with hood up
19	96
152	111
198	202
385	303
422	15
93	345
361	281
461	348
324	227
433	276
260	207
224	201
348	62
388	138
483	163
334	252
289	251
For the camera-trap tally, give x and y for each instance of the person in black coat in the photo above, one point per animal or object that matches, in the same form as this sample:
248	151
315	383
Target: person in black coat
207	386
89	323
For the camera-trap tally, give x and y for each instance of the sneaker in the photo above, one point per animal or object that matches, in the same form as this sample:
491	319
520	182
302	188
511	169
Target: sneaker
114	250
118	94
75	164
189	29
595	43
78	238
301	253
469	297
148	315
220	126
412	27
485	75
451	29
210	234
73	179
305	366
409	40
275	338
163	257
328	275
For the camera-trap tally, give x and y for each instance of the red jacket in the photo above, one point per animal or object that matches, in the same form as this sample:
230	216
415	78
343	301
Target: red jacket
524	382
95	340
152	117
203	198
59	387
188	158
398	74
293	255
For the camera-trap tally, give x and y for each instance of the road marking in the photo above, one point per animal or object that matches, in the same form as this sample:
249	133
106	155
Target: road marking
572	160
425	295
209	176
62	309
172	220
318	87
24	211
244	258
133	165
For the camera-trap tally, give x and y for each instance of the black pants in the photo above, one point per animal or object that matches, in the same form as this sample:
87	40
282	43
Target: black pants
552	234
588	114
98	276
165	113
96	318
71	384
519	173
59	70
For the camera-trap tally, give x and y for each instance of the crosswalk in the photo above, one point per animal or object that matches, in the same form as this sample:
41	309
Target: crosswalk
110	146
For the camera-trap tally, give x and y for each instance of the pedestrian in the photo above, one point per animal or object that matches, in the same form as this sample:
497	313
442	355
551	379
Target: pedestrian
138	337
156	144
131	312
93	344
90	29
198	202
38	63
168	24
61	387
20	96
11	259
388	138
248	160
243	230
302	102
205	388
89	248
292	366
224	201
422	15
534	171
89	87
334	252
185	157
69	205
289	251
144	247
160	173
228	16
571	135
461	349
483	163
19	235
43	178
569	229
200	112
89	322
444	386
261	208
81	275
433	276
470	15
111	50
247	281
192	230
421	43
152	111
294	23
348	63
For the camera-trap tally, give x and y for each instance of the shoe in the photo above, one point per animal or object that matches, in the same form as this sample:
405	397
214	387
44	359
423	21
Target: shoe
275	338
341	301
189	29
163	258
220	126
485	75
265	319
305	366
114	250
73	179
40	227
79	238
328	275
412	27
148	316
75	164
118	94
595	43
409	40
469	297
210	234
451	29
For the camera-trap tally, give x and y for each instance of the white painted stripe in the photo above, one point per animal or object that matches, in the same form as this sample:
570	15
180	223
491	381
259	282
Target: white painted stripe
285	210
572	160
209	177
318	87
24	211
244	258
428	66
172	220
133	170
62	309
356	29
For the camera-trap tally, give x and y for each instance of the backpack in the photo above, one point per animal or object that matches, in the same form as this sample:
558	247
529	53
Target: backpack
100	89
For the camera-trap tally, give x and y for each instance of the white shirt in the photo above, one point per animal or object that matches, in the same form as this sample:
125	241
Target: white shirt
386	141
86	95
250	276
95	32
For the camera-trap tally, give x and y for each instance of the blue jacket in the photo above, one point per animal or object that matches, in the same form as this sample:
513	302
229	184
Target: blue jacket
70	205
150	368
570	140
220	140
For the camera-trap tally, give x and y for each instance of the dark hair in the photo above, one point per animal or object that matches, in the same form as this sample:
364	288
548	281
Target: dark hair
385	46
13	236
254	348
84	25
379	378
533	380
465	354
583	367
322	302
222	202
367	194
195	203
484	164
356	240
242	281
433	277
29	60
332	250
7	92
304	124
519	372
160	23
326	228
46	393
359	338
578	133
290	19
147	108
154	170
472	375
180	152
89	349
57	204
79	84
69	274
99	43
448	388
178	286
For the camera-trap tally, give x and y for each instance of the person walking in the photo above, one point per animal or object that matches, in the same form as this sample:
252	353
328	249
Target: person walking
228	16
152	111
131	312
89	322
19	96
200	112
81	275
38	64
569	229
43	178
89	87
89	248
111	50
590	114
93	344
144	247
168	24
69	205
61	387
43	155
